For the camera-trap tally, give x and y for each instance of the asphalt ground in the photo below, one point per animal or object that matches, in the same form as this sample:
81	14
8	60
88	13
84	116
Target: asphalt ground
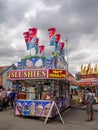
83	107
74	119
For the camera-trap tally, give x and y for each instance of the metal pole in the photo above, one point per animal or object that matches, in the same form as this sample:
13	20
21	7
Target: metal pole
67	59
67	43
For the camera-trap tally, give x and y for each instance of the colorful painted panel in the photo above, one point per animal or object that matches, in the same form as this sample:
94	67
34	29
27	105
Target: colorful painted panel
39	108
32	108
34	62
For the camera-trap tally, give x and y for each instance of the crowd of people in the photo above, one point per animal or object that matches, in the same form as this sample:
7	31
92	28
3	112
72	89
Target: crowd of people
7	97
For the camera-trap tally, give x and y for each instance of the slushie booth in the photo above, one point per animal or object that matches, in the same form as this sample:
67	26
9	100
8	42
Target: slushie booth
38	89
41	79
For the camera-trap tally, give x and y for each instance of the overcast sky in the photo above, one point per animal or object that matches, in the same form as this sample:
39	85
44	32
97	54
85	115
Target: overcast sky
76	20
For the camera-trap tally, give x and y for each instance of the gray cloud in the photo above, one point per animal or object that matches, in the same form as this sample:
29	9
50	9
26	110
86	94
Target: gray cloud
74	19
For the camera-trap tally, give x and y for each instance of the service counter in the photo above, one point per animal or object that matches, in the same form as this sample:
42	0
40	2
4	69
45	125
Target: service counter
38	108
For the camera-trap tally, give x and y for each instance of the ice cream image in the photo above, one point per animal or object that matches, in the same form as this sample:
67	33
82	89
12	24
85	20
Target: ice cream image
32	109
19	108
38	63
39	110
46	109
29	64
26	109
26	106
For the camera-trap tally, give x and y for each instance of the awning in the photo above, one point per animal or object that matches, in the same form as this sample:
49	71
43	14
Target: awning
74	87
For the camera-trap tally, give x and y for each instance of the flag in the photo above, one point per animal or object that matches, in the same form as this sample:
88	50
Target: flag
32	33
53	41
60	48
61	45
26	36
29	44
52	32
27	39
58	36
57	42
62	52
41	49
35	41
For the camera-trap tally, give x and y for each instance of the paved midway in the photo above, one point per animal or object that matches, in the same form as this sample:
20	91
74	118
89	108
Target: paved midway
74	119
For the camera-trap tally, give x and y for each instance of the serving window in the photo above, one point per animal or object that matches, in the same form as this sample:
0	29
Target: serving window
34	90
43	90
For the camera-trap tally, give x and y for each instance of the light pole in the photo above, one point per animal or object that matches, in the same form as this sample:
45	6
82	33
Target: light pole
67	58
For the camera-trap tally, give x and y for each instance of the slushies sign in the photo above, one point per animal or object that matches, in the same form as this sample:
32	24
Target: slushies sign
36	74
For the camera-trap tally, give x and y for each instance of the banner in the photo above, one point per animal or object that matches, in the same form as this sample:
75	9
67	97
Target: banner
41	49
31	38
32	33
58	36
52	32
27	39
53	41
35	41
61	45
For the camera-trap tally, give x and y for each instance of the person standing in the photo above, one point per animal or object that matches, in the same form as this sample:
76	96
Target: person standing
3	98
89	104
8	96
12	97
